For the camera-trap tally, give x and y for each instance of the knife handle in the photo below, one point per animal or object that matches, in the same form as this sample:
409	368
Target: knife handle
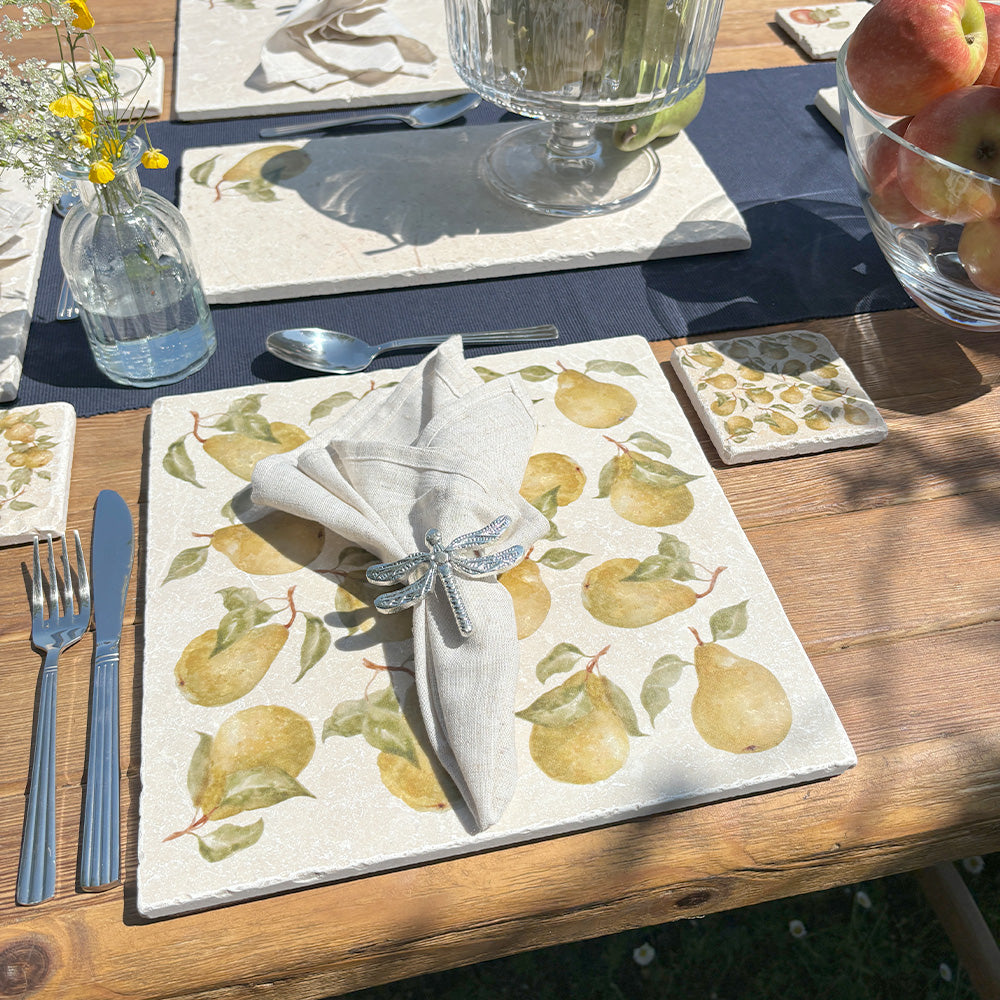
100	852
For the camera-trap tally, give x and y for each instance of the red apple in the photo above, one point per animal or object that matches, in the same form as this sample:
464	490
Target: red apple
962	127
990	74
881	169
904	53
979	252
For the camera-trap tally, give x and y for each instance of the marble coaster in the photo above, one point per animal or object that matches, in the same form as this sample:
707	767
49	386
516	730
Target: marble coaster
391	209
217	69
828	105
20	266
821	31
776	395
36	457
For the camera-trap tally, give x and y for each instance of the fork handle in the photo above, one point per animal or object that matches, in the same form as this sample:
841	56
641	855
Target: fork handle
36	872
100	854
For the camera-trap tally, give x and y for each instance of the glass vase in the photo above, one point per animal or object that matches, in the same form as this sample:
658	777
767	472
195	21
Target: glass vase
577	65
127	257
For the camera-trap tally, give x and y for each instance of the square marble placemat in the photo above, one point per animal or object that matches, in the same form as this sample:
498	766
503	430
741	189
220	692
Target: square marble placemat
775	395
217	64
350	213
820	31
644	552
36	459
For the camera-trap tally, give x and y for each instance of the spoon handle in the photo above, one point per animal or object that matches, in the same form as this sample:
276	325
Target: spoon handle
327	123
529	334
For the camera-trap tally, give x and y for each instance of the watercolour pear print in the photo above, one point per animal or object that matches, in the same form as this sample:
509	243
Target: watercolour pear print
283	742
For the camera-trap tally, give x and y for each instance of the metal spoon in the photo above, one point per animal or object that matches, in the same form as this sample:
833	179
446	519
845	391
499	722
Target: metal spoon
340	354
422	116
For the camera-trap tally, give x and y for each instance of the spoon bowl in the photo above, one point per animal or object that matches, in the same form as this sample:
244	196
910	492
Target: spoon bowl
337	353
427	115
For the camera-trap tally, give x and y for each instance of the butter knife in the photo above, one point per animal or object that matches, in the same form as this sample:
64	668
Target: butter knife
112	551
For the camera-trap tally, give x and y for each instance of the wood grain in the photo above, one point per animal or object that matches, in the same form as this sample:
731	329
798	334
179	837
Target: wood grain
884	558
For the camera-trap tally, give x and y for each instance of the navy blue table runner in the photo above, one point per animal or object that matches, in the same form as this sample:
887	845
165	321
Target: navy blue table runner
777	158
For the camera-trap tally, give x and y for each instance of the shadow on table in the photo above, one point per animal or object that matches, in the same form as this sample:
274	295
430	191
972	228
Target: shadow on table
58	355
809	258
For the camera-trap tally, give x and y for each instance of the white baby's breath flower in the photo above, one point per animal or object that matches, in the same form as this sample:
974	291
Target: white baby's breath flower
797	929
973	865
944	971
863	899
644	954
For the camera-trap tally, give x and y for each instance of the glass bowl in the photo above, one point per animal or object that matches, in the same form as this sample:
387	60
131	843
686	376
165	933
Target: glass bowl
922	249
575	65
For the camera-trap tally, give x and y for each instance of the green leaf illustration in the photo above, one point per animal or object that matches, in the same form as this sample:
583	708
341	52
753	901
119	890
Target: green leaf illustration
202	171
485	374
646	442
253	425
326	406
187	563
238	505
727	623
20	505
547	503
259	788
613	368
314	645
561	659
178	463
228	839
346	719
388	731
562	558
197	776
623	709
560	707
652	473
655	694
237	598
536	373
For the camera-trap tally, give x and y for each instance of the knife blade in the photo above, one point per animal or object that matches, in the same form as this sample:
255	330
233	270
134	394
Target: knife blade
112	551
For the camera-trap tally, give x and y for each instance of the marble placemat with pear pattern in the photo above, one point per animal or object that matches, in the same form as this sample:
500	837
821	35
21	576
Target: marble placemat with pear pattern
218	72
280	743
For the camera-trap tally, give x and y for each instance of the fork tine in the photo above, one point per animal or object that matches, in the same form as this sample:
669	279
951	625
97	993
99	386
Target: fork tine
37	604
53	581
66	590
82	580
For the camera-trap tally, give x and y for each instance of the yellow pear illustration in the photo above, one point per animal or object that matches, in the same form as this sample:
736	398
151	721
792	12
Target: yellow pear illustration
855	414
591	403
588	750
760	395
239	452
548	471
825	393
739	706
817	420
826	371
738	425
268	164
723	405
793	394
207	679
263	736
644	490
773	351
276	543
613	596
721	381
580	729
803	344
416	784
530	596
780	422
750	374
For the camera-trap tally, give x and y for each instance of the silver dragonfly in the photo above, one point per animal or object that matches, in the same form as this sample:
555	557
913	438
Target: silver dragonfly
462	556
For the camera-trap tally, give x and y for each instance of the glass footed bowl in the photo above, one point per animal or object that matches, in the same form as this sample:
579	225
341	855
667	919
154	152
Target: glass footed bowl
577	65
925	251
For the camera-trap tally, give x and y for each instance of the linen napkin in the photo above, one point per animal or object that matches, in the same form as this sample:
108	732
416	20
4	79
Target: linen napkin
14	217
329	41
445	450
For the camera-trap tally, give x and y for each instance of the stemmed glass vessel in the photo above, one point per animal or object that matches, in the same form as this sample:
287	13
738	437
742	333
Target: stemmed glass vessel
577	65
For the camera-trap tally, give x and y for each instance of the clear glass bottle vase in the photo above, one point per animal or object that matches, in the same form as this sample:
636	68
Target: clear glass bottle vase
127	257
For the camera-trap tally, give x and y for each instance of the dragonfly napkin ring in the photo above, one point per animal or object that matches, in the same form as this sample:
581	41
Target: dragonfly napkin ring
462	557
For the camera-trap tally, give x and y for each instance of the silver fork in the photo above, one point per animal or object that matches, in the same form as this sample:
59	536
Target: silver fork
36	873
67	307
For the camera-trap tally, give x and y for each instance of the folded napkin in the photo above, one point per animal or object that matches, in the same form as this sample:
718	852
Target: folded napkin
330	41
440	450
14	217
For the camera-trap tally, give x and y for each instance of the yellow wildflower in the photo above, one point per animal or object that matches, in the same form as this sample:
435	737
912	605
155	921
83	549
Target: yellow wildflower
112	149
84	20
101	172
154	159
72	106
85	138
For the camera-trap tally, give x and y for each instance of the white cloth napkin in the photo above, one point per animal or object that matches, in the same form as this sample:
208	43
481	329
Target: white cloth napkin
330	41
14	217
442	449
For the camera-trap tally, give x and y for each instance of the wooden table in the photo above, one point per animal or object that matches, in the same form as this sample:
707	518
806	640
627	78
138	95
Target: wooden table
885	559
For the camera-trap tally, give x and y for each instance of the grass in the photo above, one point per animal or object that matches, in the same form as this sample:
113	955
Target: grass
876	941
